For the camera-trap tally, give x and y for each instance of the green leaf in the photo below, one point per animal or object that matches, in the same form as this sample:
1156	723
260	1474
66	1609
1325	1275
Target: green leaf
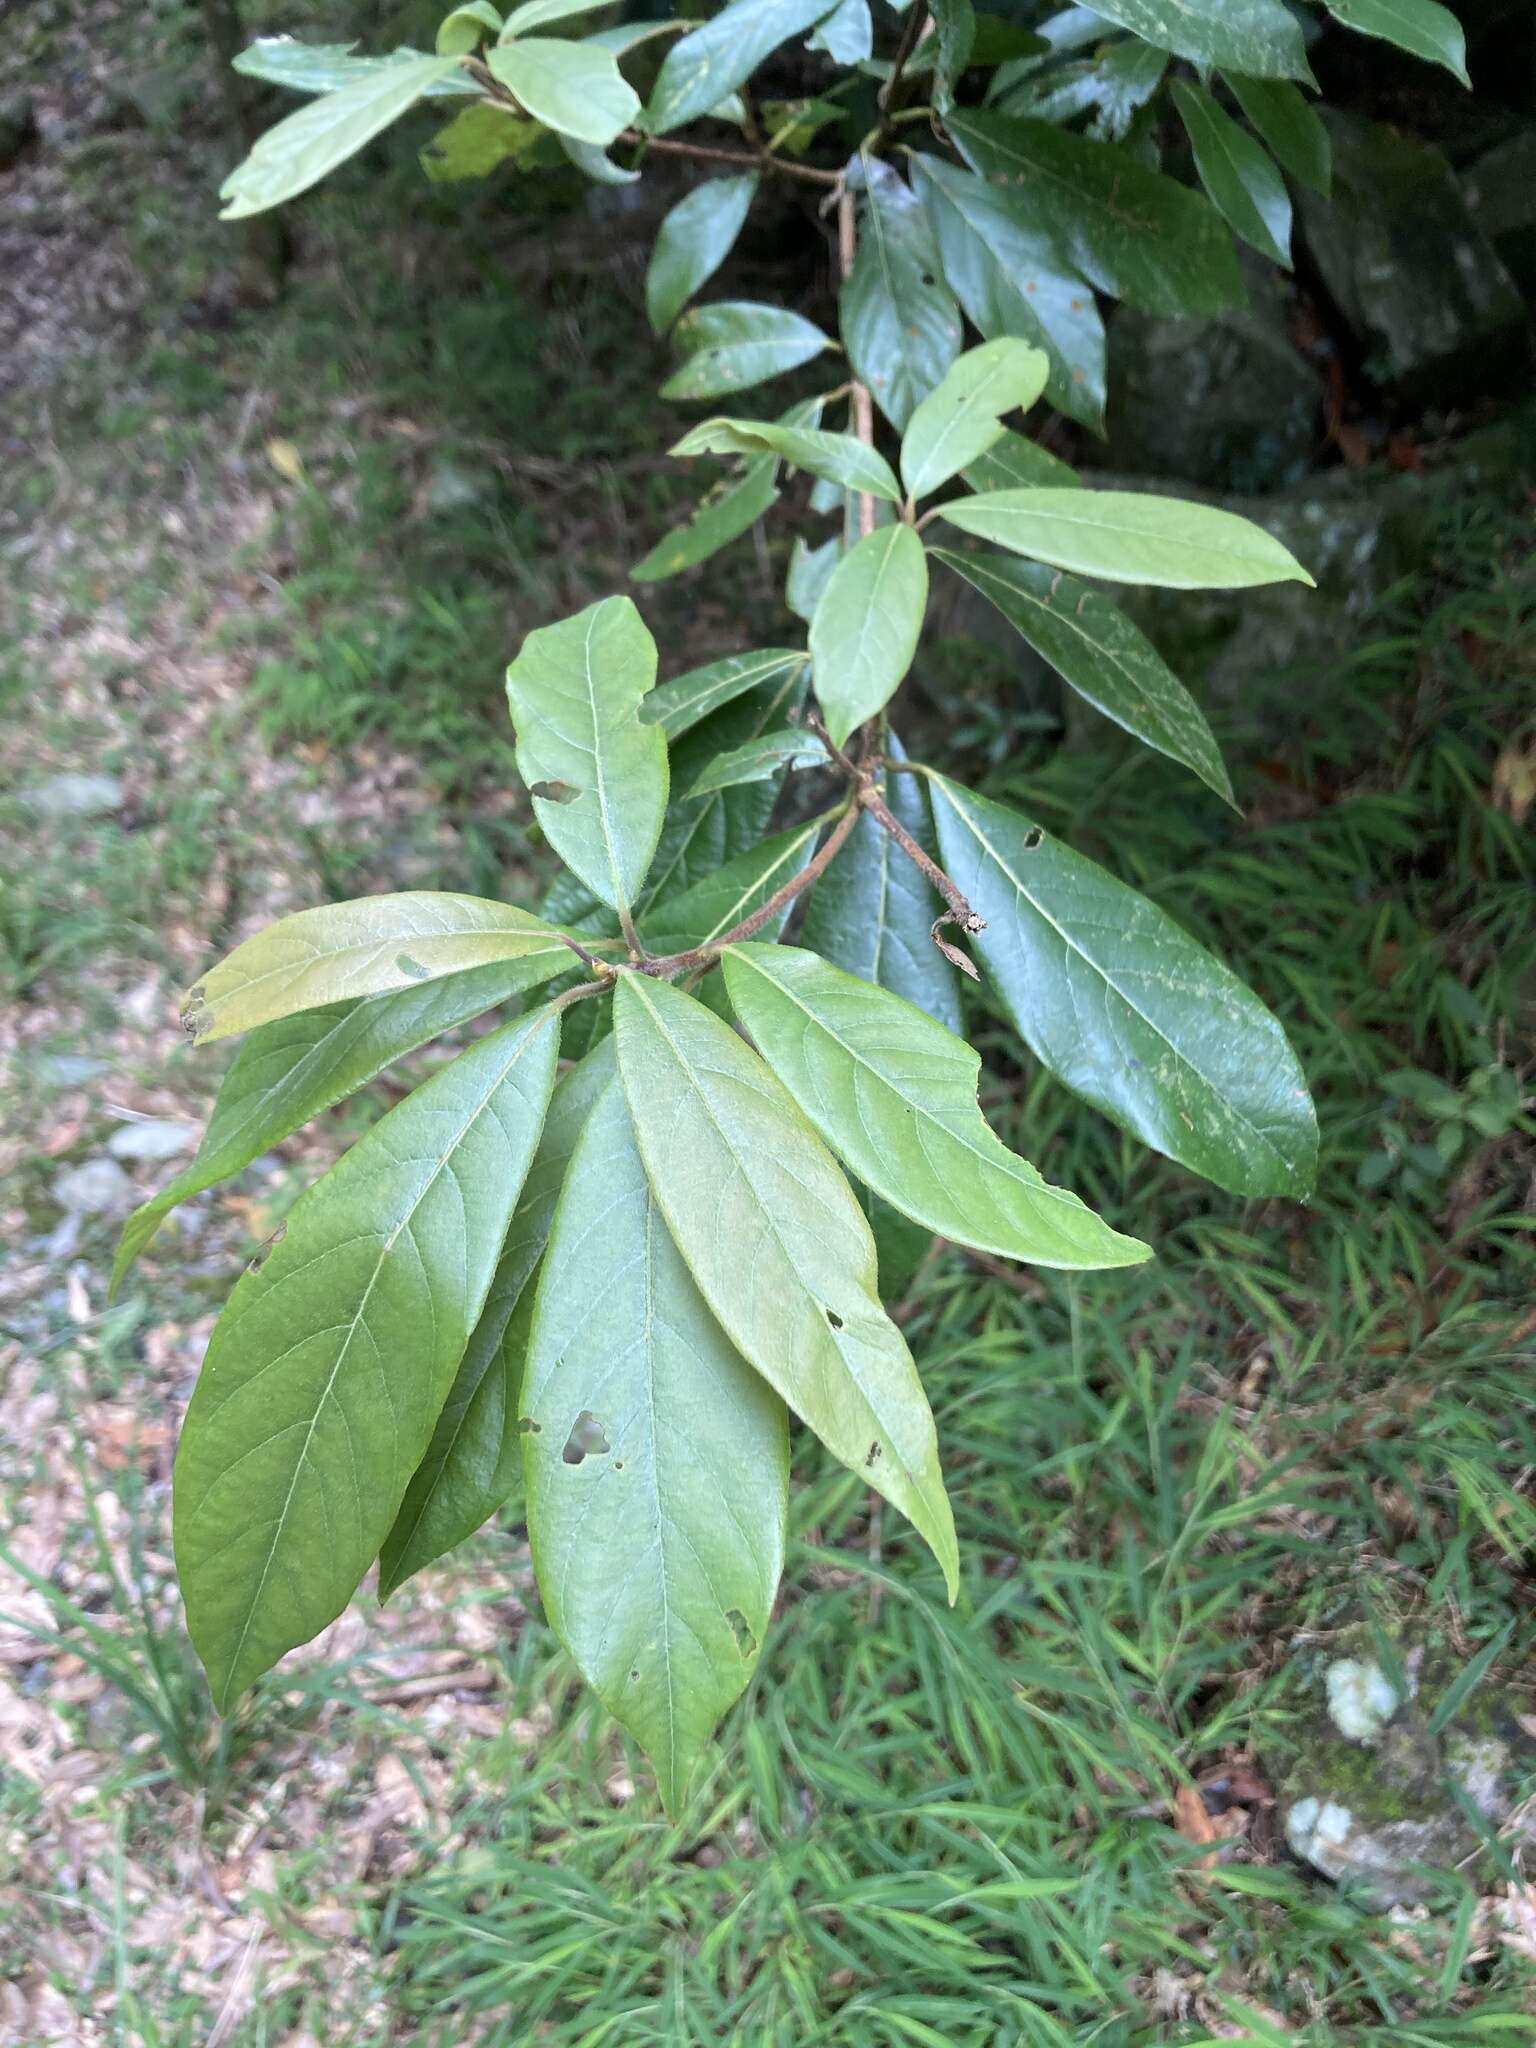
760	758
679	705
1290	125
595	163
718	902
872	912
657	1464
575	690
806	577
894	1094
543	13
1095	648
847	34
900	1245
476	141
721	54
1131	231
722	516
1004	270
1261	37
294	1068
1130	537
900	326
1420	27
866	627
576	88
1240	177
474	1462
327	67
839	457
364	948
1125	1008
1014	463
1129	73
732	344
954	24
692	242
302	149
778	1246
331	1363
466	28
962	418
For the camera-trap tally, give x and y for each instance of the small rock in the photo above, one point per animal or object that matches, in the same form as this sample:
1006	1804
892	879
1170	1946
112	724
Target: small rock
76	796
161	1138
98	1188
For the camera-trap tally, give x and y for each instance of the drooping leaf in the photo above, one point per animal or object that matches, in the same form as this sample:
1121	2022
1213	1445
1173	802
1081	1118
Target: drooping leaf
575	690
657	1464
1261	37
733	344
721	54
1421	27
477	140
679	705
1125	1008
1290	125
1237	172
900	325
474	1462
866	626
576	88
954	24
761	758
327	67
467	27
339	951
1015	463
963	417
872	912
717	903
692	242
894	1095
778	1246
1131	231
841	458
331	1363
1003	268
302	149
1130	537
1107	659
292	1069
847	34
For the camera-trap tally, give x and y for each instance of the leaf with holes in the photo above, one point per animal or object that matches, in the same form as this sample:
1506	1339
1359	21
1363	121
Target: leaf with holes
575	690
1122	1005
1107	659
733	344
692	242
339	951
899	324
1130	537
894	1095
332	1361
866	626
778	1246
963	417
475	1460
1238	174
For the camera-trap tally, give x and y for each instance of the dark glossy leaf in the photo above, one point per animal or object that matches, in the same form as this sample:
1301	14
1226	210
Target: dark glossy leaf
292	1069
332	1361
1261	37
1421	27
866	626
721	54
1237	172
1289	124
692	242
733	344
1110	662
1131	231
1130	537
1003	267
679	705
302	149
900	325
575	690
657	1464
1122	1005
778	1246
872	912
576	88
894	1094
339	951
475	1459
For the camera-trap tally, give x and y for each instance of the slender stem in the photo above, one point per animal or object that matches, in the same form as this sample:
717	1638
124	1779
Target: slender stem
631	936
863	410
960	910
584	989
588	959
751	160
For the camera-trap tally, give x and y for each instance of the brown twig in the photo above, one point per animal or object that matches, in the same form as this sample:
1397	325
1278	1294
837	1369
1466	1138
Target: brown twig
863	409
751	160
959	911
